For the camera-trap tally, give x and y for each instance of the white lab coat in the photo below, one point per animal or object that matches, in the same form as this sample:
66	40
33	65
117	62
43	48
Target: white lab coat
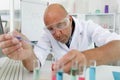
84	34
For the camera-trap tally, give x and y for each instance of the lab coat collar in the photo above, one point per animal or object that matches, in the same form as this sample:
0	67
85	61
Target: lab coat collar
78	24
76	35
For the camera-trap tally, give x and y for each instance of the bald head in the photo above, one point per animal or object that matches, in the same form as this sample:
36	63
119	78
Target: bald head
54	13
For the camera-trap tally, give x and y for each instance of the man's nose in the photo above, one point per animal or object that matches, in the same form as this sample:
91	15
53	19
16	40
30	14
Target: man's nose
56	33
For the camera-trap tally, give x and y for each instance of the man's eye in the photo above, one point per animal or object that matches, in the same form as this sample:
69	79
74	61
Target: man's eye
64	23
50	29
60	25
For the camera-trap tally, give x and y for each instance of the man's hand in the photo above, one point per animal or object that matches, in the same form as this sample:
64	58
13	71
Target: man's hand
14	48
71	56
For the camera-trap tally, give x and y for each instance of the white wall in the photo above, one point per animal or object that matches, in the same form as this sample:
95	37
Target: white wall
79	6
89	6
100	4
73	6
4	4
32	20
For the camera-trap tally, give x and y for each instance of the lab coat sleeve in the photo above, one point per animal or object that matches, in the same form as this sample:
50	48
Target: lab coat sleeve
99	35
42	54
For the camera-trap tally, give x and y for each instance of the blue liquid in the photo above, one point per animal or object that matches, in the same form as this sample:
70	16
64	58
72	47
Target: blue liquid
92	73
59	75
74	72
36	74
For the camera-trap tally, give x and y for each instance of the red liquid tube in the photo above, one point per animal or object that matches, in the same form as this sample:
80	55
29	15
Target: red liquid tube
81	78
81	73
52	69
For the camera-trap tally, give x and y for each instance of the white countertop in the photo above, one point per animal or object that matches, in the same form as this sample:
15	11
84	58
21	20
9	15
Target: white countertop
103	72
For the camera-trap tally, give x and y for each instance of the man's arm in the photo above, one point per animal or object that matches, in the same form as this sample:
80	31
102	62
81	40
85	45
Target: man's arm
17	49
28	63
105	54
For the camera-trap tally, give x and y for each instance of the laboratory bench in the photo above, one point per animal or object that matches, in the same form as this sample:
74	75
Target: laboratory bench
14	70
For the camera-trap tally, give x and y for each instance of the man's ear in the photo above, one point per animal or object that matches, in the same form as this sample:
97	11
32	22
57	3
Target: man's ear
70	18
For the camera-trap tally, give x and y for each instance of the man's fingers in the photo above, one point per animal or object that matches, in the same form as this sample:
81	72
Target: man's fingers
81	59
72	59
67	67
2	37
67	58
10	50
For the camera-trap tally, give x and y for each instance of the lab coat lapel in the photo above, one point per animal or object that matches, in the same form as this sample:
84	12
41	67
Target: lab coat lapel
77	35
63	46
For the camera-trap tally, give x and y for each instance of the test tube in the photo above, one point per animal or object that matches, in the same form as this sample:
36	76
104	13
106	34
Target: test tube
74	70
92	70
52	70
36	70
59	73
81	73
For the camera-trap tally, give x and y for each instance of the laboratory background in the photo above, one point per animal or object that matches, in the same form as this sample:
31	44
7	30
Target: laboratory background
29	13
23	15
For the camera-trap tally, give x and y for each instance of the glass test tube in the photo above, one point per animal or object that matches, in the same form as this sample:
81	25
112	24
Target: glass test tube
81	73
36	72
74	70
52	70
59	73
92	70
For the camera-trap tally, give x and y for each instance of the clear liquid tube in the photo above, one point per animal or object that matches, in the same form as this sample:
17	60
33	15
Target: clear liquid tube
74	70
36	70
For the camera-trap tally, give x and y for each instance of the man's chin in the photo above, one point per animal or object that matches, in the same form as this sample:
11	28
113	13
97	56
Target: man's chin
63	41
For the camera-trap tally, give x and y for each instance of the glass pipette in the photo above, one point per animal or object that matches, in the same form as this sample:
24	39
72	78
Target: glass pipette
29	42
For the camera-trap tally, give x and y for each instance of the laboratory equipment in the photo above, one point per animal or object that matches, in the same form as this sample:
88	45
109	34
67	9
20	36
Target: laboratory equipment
52	70
11	70
29	42
12	14
82	70
36	70
59	73
74	70
106	9
116	75
92	70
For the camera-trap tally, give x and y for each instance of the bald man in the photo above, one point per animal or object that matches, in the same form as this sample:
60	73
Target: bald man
67	38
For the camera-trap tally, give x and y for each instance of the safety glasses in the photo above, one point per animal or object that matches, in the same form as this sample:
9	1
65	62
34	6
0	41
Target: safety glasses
59	25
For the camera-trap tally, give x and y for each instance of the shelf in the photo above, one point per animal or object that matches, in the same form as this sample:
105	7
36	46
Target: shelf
100	14
106	20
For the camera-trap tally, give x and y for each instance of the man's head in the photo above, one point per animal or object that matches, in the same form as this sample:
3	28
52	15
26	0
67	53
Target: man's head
58	22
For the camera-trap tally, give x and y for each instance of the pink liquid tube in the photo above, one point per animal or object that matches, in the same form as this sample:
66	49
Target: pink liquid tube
52	69
53	77
82	69
81	78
